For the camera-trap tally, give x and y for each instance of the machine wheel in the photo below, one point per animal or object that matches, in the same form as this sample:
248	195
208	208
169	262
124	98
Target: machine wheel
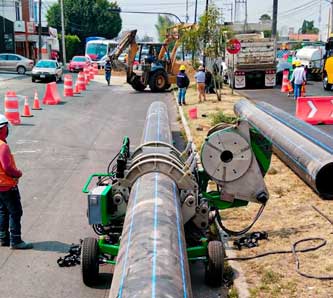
33	80
326	85
215	264
137	85
167	86
158	81
21	70
89	261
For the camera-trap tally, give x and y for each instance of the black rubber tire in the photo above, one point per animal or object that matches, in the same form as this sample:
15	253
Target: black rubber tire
327	86
215	264
89	261
21	70
33	80
158	81
137	85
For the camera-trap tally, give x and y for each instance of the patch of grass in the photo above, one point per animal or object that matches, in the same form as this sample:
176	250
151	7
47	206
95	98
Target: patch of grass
220	117
270	277
233	293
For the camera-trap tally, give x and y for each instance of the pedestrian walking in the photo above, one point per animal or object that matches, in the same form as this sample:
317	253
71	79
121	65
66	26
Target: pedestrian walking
107	69
10	200
291	83
200	78
182	83
299	78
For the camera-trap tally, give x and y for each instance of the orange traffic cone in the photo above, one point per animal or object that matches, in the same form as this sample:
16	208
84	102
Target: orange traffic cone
26	109
284	87
76	87
12	108
36	105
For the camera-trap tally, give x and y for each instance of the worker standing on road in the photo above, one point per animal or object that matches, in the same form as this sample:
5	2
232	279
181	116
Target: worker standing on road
10	200
291	83
182	82
299	78
107	69
200	78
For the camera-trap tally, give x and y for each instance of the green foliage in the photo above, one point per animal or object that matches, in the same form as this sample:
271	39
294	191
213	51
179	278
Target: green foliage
209	30
268	33
265	17
72	43
220	117
163	22
86	18
308	28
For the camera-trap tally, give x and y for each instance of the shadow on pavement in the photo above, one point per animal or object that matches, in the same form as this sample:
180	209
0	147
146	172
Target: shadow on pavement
55	246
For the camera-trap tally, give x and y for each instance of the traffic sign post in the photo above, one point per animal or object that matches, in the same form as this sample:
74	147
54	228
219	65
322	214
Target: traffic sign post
233	47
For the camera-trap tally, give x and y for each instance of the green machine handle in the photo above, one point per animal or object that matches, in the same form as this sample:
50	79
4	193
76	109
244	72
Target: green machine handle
85	187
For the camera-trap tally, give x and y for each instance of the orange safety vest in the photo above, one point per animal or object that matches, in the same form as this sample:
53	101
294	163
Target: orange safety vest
5	180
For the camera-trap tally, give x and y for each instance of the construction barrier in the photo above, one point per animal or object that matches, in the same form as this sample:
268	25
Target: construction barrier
91	73
76	87
36	105
284	87
81	83
315	110
12	108
51	96
26	108
86	75
68	85
95	67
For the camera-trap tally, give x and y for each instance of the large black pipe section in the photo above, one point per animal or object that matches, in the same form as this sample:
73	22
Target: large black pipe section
311	162
152	259
312	133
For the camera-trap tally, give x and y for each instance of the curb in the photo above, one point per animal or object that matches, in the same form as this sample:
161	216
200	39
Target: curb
239	281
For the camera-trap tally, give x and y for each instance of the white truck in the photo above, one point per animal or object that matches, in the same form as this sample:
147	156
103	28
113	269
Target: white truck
312	57
255	64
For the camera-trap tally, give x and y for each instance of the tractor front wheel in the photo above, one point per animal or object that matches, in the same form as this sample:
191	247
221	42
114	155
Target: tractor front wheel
215	264
90	261
158	81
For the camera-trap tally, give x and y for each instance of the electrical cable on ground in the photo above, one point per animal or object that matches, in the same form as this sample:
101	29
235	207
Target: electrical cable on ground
293	249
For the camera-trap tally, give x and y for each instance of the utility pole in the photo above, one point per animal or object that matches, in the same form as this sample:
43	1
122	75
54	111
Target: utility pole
274	22
63	32
40	29
319	21
195	11
186	17
205	39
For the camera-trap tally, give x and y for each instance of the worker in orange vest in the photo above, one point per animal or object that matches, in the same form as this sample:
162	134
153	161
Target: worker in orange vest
10	200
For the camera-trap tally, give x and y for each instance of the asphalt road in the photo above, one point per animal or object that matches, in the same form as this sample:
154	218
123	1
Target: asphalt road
57	150
282	101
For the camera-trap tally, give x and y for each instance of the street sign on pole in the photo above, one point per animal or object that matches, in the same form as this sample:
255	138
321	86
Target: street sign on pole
233	47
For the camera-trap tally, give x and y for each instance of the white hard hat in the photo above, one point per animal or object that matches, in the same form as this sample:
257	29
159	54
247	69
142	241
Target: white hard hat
3	121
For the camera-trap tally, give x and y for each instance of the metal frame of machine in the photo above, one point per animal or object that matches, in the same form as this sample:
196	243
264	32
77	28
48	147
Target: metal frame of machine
234	157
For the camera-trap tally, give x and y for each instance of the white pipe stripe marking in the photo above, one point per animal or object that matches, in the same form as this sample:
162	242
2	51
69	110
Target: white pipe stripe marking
11	110
313	109
11	99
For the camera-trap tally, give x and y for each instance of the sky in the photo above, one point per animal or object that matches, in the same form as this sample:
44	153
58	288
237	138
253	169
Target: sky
290	13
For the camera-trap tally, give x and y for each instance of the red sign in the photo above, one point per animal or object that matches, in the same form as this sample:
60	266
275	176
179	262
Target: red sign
233	46
315	110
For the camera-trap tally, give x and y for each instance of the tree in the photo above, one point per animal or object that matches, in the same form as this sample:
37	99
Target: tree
163	22
265	17
86	18
308	28
72	43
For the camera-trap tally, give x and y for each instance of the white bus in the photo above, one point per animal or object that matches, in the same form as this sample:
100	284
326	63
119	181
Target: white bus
98	49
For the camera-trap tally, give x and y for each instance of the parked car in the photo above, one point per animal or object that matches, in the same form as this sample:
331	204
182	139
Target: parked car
280	67
78	63
14	62
47	70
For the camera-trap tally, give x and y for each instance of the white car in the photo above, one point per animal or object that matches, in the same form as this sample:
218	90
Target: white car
47	70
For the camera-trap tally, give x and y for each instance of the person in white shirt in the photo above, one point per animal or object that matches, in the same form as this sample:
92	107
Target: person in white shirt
299	78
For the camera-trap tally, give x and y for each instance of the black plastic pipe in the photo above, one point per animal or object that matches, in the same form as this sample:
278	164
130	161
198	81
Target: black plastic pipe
152	259
308	160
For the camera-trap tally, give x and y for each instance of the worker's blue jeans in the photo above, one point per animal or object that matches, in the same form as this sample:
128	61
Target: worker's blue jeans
108	76
10	216
181	95
297	90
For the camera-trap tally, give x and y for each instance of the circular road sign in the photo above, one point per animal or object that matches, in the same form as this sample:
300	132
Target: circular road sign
233	46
